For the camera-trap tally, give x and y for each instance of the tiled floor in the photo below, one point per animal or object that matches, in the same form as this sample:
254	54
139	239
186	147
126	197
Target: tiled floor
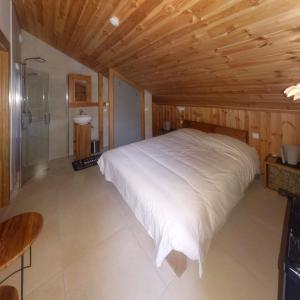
92	247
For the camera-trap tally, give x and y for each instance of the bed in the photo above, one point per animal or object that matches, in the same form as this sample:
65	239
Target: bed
182	186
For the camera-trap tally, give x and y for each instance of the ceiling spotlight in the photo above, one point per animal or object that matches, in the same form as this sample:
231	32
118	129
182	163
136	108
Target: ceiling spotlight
114	21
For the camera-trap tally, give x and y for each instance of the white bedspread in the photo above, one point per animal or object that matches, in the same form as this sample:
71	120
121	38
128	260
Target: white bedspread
181	186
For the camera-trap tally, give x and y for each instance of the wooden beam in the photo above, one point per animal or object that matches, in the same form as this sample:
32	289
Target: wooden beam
100	110
111	108
83	104
4	123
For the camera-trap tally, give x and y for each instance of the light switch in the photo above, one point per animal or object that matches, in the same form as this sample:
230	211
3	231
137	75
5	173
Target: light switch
255	135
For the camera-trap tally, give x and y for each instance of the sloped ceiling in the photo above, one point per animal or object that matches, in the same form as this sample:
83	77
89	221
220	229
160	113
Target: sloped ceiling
230	52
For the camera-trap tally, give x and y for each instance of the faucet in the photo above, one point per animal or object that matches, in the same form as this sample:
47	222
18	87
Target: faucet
81	112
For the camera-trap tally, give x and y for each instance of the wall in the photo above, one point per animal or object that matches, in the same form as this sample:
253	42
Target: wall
5	17
58	65
274	128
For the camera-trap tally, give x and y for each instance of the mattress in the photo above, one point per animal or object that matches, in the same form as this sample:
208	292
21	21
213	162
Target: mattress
182	186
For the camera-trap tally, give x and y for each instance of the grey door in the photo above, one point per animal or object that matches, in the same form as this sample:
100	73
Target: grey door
127	113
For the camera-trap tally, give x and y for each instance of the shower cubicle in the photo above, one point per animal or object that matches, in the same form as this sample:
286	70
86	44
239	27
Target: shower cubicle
35	120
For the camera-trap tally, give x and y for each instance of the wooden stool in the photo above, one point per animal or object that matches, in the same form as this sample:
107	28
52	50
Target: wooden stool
17	234
8	293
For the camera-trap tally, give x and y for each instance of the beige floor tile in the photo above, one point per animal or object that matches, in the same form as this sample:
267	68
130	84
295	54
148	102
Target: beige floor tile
146	243
116	269
223	278
92	247
252	242
47	257
87	224
265	205
52	290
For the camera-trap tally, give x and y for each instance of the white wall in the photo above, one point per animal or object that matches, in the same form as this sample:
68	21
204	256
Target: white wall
58	65
5	14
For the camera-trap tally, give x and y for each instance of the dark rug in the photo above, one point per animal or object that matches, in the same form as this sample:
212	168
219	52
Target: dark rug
87	162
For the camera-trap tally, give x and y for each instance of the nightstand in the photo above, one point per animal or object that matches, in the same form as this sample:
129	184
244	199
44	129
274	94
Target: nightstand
278	175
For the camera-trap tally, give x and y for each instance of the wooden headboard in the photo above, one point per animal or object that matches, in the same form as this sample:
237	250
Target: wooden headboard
239	134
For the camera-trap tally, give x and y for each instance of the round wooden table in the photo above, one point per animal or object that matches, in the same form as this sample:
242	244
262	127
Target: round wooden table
17	234
8	293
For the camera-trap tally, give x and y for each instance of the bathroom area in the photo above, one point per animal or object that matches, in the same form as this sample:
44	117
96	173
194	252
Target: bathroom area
53	93
46	113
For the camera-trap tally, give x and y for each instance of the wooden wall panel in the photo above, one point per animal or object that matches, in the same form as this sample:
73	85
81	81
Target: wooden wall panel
100	110
274	128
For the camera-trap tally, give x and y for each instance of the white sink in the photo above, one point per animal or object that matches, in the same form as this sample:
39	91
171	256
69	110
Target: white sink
82	119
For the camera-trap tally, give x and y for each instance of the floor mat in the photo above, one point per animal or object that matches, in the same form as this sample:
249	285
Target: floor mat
87	162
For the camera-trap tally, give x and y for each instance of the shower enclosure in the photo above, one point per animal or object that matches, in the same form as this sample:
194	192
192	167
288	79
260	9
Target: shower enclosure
35	121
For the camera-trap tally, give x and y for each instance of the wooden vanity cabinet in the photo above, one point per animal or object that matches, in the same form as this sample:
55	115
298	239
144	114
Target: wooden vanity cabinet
82	141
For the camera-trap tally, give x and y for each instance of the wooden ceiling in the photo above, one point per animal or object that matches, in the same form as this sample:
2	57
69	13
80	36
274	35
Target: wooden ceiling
210	52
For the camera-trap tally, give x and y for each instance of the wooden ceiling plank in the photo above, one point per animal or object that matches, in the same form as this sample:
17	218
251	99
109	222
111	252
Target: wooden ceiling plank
165	16
185	25
73	16
101	23
123	12
265	10
240	51
127	26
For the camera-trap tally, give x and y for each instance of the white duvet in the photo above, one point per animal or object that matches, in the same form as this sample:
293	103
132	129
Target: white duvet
181	186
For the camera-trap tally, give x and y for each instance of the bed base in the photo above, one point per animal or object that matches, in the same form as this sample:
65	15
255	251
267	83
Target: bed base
177	261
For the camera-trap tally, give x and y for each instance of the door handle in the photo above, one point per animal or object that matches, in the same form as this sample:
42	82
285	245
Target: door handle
47	118
26	119
29	117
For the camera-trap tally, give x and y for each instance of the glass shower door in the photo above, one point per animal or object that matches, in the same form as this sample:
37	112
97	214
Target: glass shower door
35	124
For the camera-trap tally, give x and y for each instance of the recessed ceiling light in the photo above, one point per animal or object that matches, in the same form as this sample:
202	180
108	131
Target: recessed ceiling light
114	21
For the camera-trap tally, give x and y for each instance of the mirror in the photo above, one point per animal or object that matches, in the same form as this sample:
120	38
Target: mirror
80	87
